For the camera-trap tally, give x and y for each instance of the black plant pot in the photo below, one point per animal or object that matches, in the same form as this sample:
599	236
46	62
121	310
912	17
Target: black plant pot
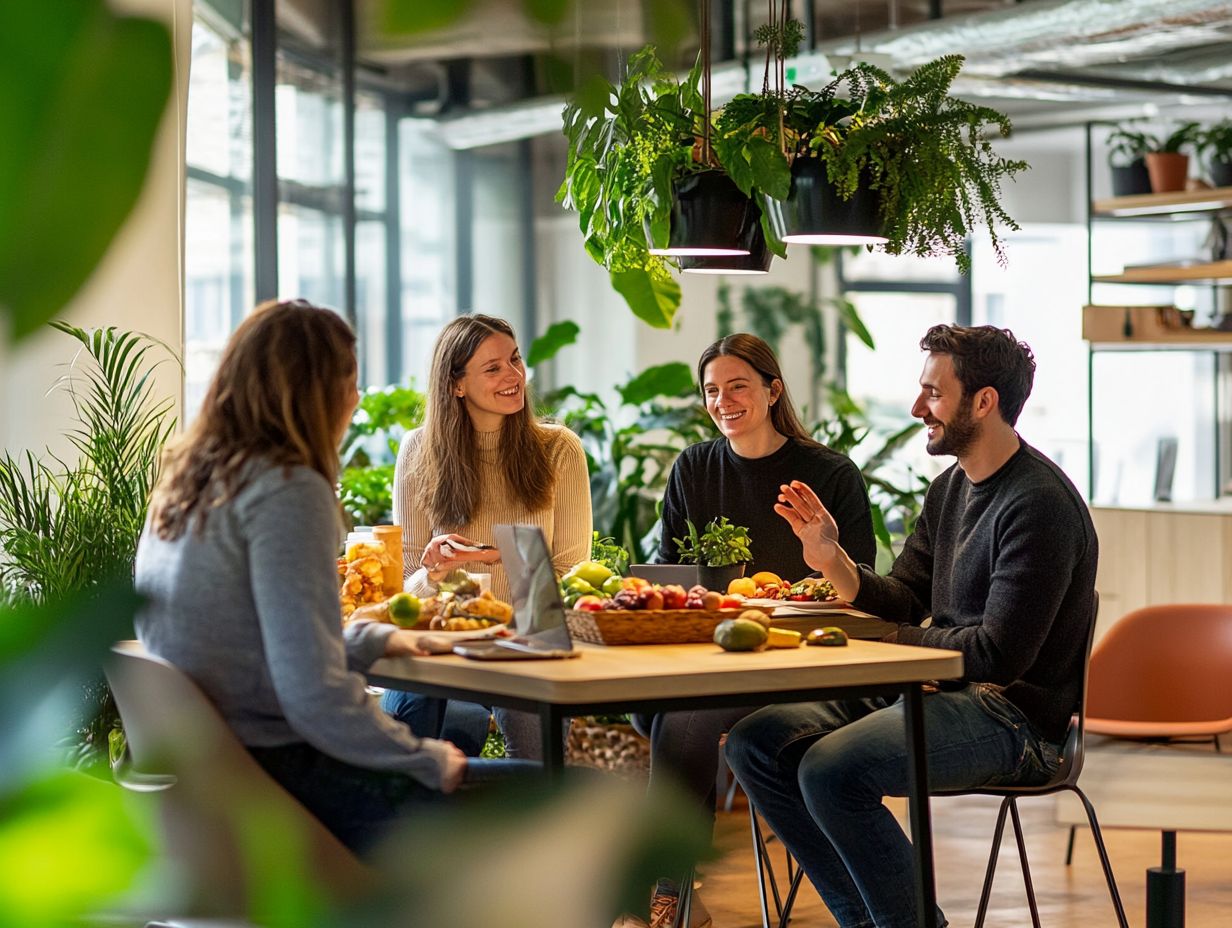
710	216
814	213
757	261
717	578
1221	173
1130	179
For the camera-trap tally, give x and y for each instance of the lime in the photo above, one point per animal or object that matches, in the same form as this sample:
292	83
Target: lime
404	609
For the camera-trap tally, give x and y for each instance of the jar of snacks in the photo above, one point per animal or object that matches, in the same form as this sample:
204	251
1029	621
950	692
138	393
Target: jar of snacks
391	537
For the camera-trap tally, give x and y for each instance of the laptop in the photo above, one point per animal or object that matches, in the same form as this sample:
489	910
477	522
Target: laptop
538	613
684	575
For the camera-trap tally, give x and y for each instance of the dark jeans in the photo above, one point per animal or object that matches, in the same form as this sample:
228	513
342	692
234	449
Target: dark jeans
684	748
466	723
818	773
359	805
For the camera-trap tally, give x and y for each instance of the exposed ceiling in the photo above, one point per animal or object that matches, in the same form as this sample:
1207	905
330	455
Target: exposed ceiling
1046	62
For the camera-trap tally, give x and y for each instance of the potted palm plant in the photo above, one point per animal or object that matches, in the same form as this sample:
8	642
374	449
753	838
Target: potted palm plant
1127	150
903	164
644	185
1215	143
1168	163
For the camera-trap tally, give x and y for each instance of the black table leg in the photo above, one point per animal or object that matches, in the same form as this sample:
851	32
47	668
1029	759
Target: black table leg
551	719
1165	889
917	806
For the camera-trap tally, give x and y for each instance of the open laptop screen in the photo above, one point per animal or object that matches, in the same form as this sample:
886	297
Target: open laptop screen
539	614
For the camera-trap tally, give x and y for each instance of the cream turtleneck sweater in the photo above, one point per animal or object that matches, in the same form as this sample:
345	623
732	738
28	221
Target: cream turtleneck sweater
566	523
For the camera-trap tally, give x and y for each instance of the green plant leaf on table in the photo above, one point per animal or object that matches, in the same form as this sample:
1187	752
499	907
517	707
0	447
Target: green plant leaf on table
81	97
546	346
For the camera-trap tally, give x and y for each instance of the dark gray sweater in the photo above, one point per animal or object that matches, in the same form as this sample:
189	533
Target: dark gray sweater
248	608
1006	569
709	479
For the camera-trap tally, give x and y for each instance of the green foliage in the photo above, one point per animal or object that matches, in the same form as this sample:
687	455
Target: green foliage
1125	145
544	348
926	153
628	144
1181	137
370	448
1216	141
82	93
607	552
718	545
781	39
630	448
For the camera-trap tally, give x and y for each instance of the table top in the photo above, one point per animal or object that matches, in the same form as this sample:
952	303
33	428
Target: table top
665	671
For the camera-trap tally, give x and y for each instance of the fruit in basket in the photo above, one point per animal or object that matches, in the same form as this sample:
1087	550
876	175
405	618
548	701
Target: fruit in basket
742	586
591	572
740	635
712	600
829	637
612	585
589	604
674	596
404	609
782	638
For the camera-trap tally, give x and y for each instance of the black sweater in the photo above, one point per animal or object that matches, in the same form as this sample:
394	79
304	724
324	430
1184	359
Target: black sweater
1006	569
710	480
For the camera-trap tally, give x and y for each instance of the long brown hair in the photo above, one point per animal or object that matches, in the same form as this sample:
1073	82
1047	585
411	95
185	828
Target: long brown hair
761	357
278	395
447	464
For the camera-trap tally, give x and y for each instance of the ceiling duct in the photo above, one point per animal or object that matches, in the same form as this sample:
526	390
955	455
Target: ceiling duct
1090	52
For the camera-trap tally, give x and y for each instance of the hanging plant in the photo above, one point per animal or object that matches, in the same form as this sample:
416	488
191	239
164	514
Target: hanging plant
924	156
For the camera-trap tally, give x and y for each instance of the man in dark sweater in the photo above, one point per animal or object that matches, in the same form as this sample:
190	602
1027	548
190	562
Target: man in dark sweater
1003	560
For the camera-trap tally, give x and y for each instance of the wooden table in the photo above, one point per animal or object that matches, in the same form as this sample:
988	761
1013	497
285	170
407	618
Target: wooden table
664	678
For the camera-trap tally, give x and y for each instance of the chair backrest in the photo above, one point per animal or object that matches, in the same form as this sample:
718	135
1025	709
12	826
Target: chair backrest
1170	665
1073	752
219	814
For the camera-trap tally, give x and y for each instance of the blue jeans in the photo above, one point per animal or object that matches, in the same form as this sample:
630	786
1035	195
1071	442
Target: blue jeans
360	805
817	772
466	723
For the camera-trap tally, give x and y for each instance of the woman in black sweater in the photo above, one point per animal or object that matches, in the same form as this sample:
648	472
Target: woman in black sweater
738	475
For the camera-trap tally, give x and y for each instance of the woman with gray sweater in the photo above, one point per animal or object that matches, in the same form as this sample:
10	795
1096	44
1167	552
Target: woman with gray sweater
237	562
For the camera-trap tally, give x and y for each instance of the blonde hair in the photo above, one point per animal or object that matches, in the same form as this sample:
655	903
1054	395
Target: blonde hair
278	395
447	464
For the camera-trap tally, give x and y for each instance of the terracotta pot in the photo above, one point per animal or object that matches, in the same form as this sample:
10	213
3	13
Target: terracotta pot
1168	169
1130	179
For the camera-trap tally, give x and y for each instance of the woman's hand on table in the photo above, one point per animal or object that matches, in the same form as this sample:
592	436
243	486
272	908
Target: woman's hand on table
402	643
446	552
454	768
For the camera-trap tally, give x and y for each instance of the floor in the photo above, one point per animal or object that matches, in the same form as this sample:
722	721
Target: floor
1069	897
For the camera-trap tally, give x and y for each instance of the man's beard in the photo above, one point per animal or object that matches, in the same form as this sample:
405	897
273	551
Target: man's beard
957	435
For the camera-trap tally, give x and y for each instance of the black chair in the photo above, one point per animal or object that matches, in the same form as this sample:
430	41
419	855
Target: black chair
1066	778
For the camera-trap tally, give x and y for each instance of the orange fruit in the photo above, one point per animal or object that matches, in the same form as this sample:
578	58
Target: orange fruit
742	586
766	578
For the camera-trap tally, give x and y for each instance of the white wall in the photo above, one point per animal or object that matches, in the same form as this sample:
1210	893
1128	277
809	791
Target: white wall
137	286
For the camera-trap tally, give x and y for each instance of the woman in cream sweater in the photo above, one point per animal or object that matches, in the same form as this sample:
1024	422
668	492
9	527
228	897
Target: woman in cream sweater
481	459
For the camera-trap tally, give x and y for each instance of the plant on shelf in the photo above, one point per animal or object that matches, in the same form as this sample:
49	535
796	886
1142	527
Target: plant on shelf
1127	149
919	159
1167	163
1215	144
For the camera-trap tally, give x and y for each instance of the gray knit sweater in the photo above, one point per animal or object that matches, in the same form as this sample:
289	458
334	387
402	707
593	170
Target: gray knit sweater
248	607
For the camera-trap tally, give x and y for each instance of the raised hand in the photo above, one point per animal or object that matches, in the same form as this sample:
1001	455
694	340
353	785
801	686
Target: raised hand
811	522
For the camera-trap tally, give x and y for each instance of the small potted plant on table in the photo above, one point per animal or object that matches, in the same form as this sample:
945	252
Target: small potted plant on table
720	551
1167	163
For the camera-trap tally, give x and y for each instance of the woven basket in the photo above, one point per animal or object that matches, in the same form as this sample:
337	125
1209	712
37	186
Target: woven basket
615	748
658	626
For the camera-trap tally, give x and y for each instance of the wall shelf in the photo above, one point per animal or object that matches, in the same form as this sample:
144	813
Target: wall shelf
1211	272
1164	205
